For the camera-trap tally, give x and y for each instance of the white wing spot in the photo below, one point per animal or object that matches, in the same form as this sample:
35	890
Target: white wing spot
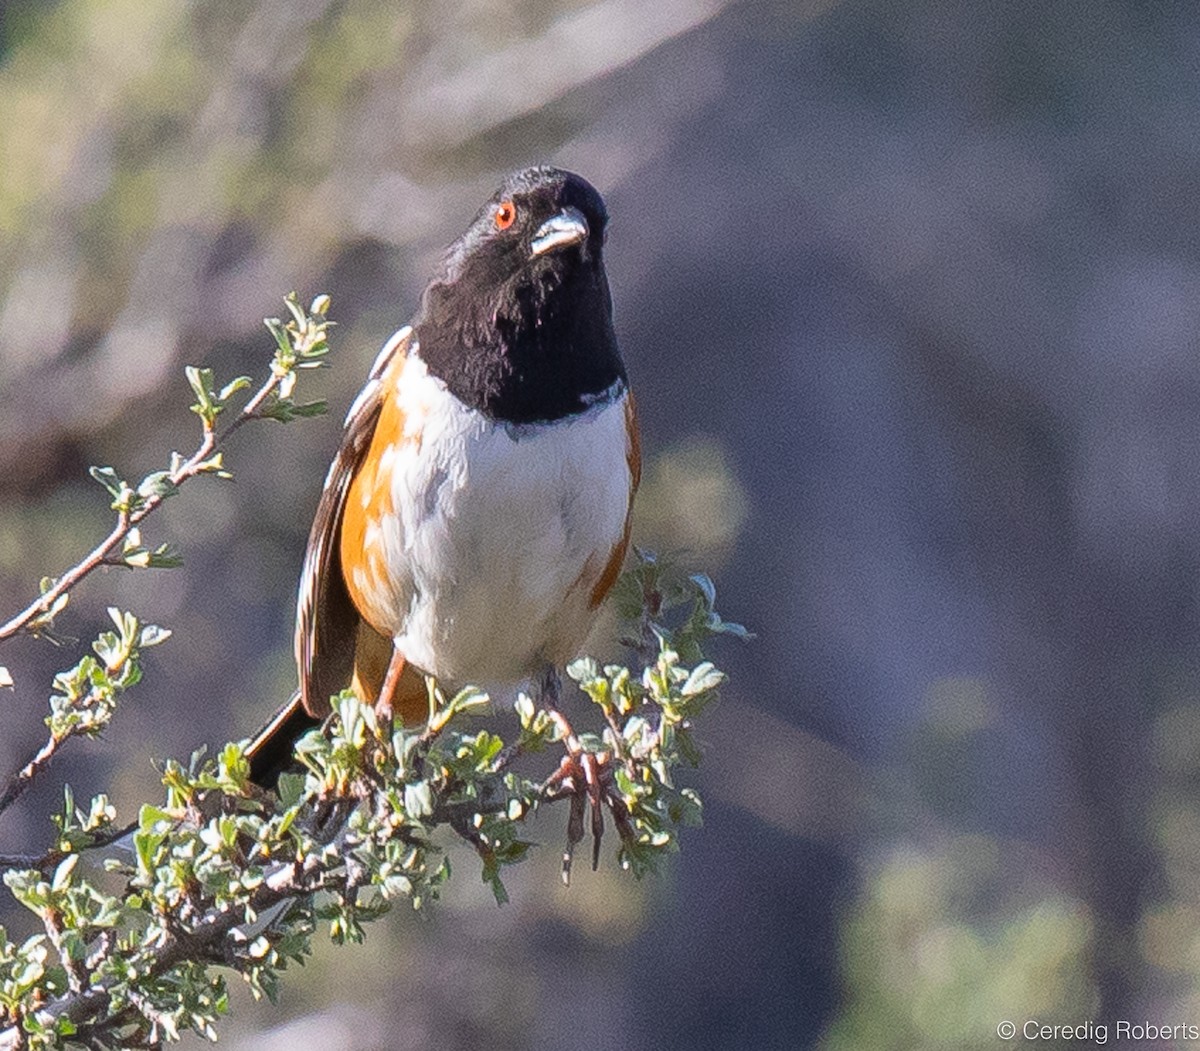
365	395
386	350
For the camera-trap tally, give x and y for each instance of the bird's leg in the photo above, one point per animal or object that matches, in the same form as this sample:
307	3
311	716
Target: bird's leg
549	687
385	703
583	775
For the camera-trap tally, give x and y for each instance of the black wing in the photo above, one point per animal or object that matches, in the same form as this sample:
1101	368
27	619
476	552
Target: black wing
326	617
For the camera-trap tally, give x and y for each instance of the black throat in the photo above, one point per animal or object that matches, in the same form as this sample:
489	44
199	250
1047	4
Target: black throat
536	347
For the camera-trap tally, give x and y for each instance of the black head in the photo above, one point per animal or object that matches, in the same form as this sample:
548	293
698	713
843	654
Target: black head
518	324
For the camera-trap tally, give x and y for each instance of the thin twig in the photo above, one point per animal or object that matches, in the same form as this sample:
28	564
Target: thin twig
50	858
23	778
208	937
19	782
126	520
76	975
83	1006
102	554
41	606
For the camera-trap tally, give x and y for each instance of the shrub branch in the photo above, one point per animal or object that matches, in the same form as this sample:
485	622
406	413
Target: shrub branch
301	343
85	696
222	877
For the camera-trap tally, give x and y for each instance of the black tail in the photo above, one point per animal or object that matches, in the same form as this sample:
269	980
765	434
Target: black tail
270	751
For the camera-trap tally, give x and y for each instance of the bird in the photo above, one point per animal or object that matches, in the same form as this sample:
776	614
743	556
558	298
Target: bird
477	511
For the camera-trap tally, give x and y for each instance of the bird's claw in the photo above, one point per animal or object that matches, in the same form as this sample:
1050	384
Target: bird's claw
587	778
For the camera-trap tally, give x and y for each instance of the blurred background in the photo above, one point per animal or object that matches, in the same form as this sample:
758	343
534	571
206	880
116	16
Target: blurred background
909	294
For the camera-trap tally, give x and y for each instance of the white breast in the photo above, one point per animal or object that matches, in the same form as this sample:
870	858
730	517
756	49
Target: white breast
496	530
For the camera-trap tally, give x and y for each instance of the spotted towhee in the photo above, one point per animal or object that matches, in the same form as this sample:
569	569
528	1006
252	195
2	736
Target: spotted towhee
477	511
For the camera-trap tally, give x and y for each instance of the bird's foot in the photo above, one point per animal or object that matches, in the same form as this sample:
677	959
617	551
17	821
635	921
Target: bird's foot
587	778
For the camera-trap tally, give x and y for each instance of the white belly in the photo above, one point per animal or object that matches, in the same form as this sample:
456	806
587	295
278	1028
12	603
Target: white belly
498	527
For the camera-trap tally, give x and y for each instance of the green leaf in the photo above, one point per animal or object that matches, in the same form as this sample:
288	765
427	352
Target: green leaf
154	819
284	410
162	557
153	635
418	800
469	699
292	302
728	627
687	809
706	587
498	889
159	484
275	327
583	670
704	677
290	790
201	381
62	874
232	387
111	481
312	408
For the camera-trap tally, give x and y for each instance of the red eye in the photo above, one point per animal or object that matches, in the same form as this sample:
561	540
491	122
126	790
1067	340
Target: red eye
506	215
